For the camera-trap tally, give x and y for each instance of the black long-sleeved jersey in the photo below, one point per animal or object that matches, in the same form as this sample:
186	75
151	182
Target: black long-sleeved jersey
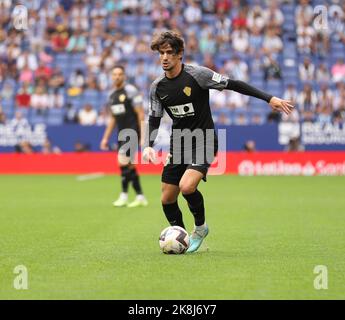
186	100
122	103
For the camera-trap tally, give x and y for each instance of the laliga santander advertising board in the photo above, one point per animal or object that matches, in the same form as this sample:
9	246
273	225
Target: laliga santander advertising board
307	163
289	163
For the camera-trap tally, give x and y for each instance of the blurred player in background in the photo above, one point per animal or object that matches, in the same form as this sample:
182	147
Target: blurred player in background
183	92
127	113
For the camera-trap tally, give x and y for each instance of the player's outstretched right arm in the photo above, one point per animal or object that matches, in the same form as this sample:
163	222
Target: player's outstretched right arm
107	133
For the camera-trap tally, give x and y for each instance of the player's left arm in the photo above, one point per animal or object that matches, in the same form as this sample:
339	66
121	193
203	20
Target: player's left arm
208	79
276	103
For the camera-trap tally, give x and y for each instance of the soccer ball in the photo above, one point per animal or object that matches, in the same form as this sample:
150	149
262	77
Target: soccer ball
174	240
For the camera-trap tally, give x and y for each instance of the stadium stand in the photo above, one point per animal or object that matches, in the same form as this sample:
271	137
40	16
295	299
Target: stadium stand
61	60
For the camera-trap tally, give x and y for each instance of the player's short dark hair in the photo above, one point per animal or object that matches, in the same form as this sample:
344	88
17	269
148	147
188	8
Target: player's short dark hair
118	66
168	37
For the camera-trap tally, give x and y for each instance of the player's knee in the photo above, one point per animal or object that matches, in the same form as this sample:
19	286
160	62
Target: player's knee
168	198
187	188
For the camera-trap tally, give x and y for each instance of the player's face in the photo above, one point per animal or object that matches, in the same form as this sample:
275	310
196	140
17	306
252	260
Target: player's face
168	58
118	77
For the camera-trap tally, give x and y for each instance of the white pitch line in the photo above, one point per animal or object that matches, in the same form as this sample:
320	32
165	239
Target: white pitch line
90	176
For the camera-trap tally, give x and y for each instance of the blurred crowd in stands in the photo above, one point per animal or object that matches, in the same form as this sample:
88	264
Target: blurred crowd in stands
57	70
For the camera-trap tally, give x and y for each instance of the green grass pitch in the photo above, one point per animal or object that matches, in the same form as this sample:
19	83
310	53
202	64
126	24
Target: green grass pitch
267	234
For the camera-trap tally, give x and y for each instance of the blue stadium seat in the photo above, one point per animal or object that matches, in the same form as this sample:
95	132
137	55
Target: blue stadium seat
37	118
55	117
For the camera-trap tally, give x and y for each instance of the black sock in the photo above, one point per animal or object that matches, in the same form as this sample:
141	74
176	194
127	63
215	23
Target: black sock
135	181
125	178
173	214
196	206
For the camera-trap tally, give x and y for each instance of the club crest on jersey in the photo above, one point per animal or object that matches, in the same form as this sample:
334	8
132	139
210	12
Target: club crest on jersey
187	91
122	97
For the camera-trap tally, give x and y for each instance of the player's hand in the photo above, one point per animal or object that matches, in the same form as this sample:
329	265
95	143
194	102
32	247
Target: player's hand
149	154
104	145
281	105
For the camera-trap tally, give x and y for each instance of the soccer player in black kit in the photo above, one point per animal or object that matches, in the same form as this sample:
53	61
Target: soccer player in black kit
125	105
183	92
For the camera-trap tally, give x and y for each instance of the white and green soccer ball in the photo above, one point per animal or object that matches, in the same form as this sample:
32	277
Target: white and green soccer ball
174	240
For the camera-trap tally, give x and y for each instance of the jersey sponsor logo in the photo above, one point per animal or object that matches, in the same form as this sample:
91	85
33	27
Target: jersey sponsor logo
216	77
182	110
195	165
118	108
187	91
122	97
162	98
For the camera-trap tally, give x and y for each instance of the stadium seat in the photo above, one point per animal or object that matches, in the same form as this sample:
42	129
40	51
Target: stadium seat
55	116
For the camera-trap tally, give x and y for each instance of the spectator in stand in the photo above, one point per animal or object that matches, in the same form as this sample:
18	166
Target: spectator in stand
236	100
24	147
87	116
43	72
294	145
40	99
322	73
223	6
19	121
26	75
98	10
103	117
249	146
23	97
255	41
241	120
59	40
291	94
305	36
272	43
236	68
79	16
256	19
192	13
338	71
209	62
306	70
336	24
7	91
271	68
240	40
56	99
273	16
27	60
304	12
71	114
218	99
77	42
48	148
81	147
339	96
223	29
3	118
325	96
324	114
307	101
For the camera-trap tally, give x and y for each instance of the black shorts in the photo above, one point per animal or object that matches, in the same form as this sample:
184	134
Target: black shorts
172	173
